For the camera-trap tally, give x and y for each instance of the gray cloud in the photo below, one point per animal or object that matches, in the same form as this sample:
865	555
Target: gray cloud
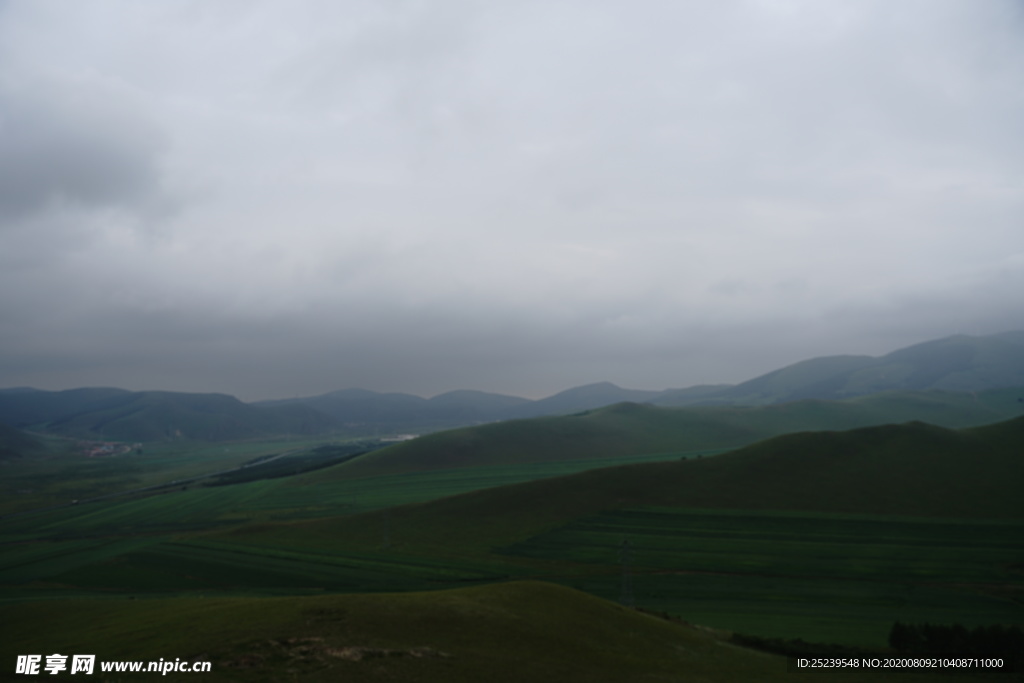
278	199
69	150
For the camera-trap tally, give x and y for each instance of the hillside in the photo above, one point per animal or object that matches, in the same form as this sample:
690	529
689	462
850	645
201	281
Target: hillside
633	429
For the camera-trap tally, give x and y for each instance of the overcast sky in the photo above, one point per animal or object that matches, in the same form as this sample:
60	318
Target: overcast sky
275	199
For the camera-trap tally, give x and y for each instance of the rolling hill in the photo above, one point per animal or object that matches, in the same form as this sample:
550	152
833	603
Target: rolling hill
634	429
911	469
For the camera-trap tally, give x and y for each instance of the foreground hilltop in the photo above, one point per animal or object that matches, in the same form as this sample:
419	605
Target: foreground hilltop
515	632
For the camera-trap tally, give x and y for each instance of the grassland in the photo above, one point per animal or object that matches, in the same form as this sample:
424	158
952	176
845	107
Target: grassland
823	536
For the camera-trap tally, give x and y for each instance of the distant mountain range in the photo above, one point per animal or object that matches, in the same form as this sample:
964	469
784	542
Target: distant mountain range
960	363
956	364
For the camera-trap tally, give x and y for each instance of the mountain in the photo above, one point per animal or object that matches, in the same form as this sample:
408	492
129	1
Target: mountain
119	415
958	363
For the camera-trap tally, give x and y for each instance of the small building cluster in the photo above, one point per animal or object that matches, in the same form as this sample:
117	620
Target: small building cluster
99	449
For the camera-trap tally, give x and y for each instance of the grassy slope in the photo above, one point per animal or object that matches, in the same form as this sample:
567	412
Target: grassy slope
632	429
521	631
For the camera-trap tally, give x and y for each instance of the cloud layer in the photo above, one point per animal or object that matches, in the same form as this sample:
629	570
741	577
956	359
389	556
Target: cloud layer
274	199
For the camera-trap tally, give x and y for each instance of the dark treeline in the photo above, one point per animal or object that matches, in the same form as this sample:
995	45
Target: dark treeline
315	459
1006	642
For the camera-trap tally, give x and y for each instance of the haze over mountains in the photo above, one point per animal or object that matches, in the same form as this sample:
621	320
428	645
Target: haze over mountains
953	364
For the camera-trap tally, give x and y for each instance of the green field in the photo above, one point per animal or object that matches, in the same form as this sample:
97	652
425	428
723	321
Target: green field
779	574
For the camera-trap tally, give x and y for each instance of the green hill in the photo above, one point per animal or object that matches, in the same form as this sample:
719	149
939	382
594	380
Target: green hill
516	632
632	429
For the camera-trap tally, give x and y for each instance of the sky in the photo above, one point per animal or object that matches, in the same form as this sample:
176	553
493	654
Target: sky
278	199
